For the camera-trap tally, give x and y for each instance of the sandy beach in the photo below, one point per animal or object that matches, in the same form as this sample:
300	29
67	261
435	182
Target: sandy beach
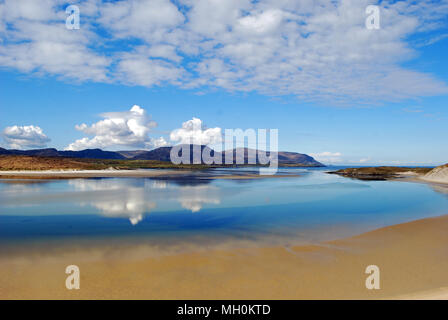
412	258
437	175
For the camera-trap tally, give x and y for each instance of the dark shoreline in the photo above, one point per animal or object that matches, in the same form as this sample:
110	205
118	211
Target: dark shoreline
379	173
39	163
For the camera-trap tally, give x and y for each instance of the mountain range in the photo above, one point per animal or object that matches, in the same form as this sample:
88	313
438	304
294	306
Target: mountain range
159	154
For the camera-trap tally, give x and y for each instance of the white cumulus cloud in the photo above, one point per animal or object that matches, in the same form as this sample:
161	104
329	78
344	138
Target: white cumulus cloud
119	129
327	154
327	157
193	132
19	137
159	142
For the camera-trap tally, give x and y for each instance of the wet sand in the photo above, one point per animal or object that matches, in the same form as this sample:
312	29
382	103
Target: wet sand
412	257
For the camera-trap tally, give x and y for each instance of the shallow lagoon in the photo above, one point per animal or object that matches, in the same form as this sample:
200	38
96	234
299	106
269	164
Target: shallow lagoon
311	208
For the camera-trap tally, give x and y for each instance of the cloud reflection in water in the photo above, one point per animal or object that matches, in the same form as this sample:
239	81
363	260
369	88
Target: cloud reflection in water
135	198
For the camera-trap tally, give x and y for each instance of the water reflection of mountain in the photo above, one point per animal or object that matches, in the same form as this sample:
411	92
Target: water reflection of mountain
134	198
24	182
184	180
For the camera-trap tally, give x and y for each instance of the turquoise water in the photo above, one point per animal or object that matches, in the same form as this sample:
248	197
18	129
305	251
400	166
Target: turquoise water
313	207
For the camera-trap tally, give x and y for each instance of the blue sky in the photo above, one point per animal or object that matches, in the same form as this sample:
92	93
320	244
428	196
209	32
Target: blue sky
335	90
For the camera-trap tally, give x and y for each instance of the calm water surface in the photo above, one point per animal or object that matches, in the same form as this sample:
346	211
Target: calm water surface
313	207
